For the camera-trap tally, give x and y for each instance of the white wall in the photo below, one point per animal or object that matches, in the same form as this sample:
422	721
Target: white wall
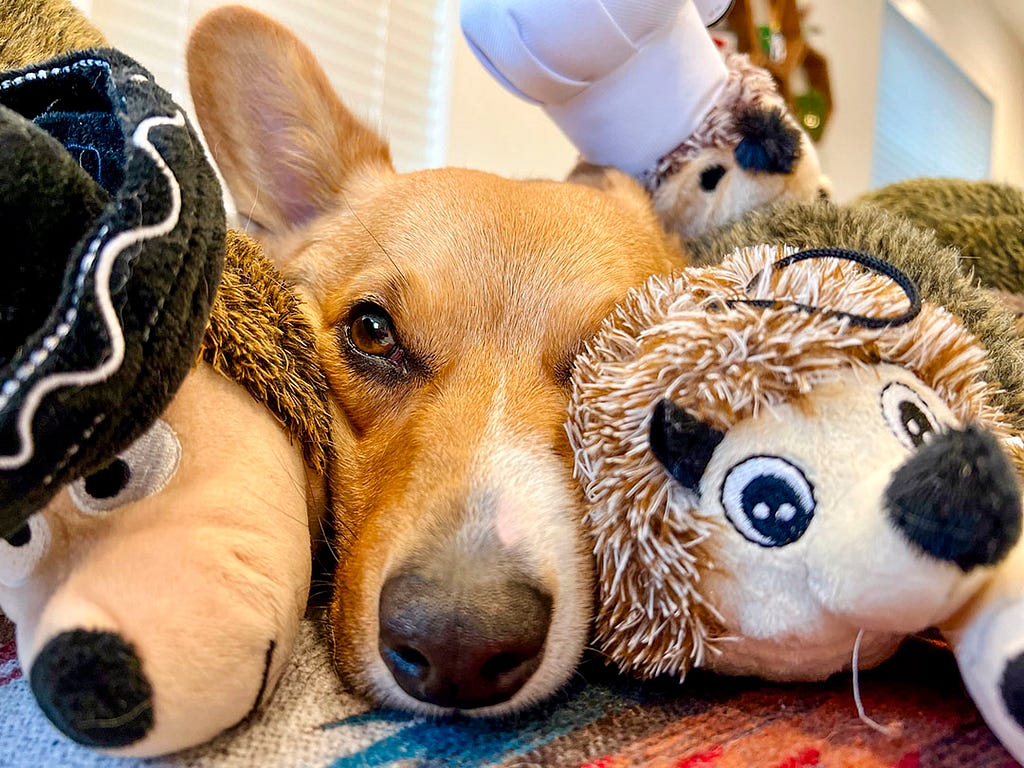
492	130
851	41
973	35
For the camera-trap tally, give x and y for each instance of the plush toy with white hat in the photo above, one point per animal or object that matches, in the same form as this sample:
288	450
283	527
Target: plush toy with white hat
639	85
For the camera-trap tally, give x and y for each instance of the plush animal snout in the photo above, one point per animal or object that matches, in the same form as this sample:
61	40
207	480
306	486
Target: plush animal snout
770	144
957	499
463	642
92	687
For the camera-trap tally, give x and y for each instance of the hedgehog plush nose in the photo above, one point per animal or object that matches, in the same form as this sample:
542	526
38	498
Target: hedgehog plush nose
92	687
462	646
957	499
770	144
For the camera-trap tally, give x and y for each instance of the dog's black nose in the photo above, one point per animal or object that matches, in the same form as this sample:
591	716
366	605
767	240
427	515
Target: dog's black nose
92	687
957	499
463	645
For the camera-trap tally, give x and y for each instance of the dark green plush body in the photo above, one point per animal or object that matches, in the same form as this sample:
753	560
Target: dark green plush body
983	220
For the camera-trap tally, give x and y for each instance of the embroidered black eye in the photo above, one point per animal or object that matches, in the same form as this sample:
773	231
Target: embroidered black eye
768	500
907	415
141	470
109	481
22	551
710	177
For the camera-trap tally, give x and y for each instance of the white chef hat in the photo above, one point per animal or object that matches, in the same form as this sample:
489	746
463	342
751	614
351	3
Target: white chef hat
626	80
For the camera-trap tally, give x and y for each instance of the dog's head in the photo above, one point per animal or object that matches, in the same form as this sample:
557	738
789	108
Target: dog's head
450	305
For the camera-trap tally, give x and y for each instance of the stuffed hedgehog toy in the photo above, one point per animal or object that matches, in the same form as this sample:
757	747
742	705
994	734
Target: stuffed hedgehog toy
795	458
161	445
640	86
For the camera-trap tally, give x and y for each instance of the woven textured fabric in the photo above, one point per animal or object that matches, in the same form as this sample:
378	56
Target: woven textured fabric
600	721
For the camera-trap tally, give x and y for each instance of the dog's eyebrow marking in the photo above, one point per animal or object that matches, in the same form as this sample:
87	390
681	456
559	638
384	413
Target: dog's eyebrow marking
373	237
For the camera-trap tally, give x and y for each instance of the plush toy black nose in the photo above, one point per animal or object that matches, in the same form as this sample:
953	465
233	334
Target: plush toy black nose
957	499
1012	688
92	687
462	646
770	144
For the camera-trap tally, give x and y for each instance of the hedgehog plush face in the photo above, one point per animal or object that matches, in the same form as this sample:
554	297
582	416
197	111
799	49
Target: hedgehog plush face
778	459
749	152
835	513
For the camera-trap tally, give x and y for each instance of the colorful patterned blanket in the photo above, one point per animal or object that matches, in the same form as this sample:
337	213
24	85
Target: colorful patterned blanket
600	721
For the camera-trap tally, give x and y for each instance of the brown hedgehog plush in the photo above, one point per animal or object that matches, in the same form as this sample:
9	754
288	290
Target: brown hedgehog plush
639	86
798	456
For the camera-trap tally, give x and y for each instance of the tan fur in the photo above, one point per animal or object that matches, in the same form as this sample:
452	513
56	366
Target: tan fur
259	337
493	286
32	31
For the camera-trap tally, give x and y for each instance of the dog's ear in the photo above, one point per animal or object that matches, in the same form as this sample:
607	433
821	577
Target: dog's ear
287	146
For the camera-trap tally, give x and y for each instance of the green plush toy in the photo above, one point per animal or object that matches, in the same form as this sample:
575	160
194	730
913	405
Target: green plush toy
982	220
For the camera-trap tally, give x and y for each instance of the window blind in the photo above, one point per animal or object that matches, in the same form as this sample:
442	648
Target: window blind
387	59
930	118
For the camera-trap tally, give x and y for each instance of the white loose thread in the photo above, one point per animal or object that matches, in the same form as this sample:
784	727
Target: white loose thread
856	691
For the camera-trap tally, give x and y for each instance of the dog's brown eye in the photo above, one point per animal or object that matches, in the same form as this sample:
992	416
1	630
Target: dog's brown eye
371	332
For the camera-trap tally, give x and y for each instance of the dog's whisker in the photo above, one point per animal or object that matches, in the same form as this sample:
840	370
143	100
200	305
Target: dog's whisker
273	506
327	540
373	237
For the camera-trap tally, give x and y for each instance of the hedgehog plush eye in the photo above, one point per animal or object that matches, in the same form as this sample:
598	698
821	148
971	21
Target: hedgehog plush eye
907	415
21	552
768	500
144	468
710	177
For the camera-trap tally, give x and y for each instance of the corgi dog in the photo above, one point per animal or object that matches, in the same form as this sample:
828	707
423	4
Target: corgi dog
449	306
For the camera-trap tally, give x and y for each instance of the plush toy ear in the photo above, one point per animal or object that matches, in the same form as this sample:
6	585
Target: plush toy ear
682	443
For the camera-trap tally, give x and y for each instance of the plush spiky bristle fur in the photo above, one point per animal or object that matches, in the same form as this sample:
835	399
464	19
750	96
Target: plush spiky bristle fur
685	338
915	251
259	337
